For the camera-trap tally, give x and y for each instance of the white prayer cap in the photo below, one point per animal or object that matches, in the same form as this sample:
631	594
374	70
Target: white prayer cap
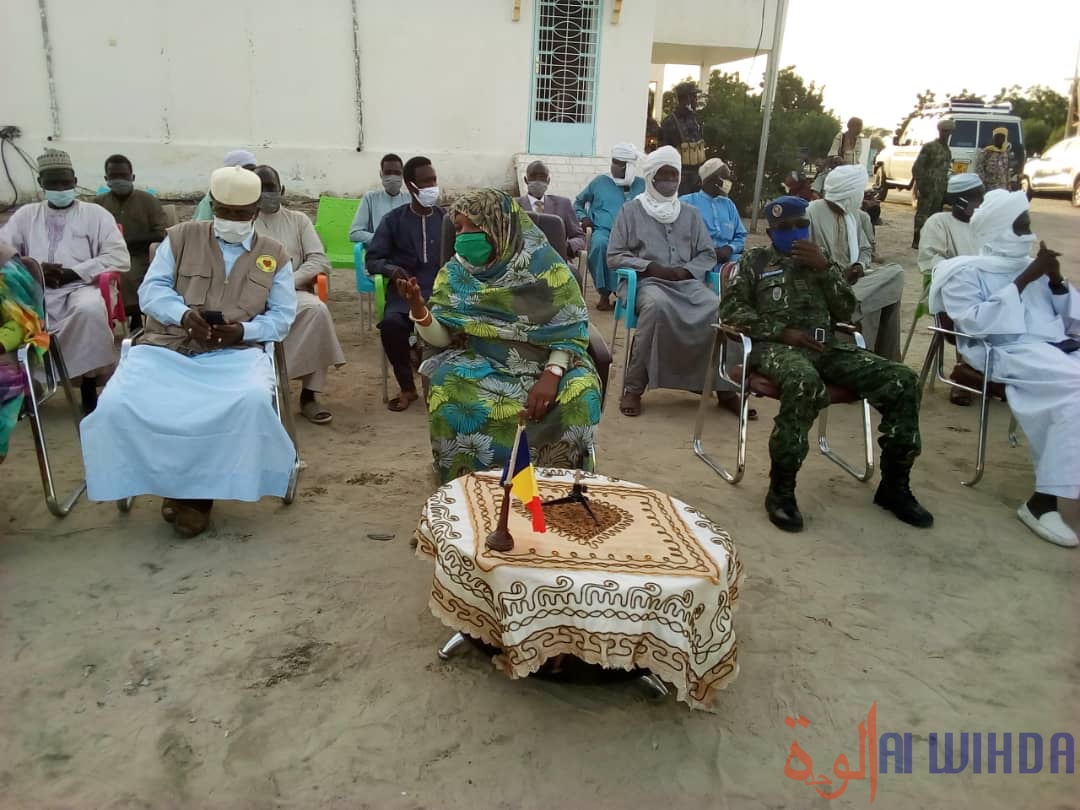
711	167
998	212
963	182
625	151
239	157
232	185
664	156
845	185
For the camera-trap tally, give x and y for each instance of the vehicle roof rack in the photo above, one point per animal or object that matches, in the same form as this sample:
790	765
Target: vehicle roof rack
969	107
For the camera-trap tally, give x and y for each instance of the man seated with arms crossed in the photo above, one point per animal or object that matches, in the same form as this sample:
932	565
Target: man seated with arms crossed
843	231
75	242
1031	317
719	212
188	414
142	219
537	200
667	245
312	345
788	297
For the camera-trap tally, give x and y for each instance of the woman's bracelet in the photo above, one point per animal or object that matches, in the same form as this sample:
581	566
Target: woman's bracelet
424	320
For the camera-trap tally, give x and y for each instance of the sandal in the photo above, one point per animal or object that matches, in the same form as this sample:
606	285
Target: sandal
168	510
959	397
192	517
315	413
729	401
604	305
402	401
630	404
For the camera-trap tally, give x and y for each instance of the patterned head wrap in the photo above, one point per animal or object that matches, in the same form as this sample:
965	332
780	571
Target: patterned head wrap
496	214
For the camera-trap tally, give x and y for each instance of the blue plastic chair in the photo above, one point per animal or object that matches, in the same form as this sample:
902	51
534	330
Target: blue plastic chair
105	190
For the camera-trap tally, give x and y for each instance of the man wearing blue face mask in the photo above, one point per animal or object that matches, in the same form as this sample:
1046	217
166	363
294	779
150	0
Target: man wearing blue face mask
142	221
788	298
75	242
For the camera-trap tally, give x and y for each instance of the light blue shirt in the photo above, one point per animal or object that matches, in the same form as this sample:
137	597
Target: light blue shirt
159	299
603	198
722	219
373	207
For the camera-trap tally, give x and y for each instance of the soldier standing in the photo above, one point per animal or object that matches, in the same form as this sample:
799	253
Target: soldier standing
787	298
682	130
931	175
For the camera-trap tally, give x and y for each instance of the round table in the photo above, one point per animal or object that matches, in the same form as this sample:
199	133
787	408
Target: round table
650	584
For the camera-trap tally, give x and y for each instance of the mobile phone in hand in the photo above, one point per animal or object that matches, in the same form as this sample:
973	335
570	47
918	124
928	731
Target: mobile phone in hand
214	317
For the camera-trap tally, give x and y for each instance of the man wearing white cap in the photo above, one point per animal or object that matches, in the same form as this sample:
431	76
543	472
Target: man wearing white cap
719	212
598	205
1031	316
75	242
841	229
237	157
188	414
948	234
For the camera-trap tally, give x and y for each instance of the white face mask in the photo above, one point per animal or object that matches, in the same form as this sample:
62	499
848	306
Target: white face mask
427	197
232	231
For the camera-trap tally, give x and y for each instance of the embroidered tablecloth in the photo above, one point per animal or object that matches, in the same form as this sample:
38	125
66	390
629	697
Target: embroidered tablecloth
652	586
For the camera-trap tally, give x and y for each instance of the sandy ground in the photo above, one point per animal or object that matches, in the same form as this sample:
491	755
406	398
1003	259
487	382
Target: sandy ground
284	659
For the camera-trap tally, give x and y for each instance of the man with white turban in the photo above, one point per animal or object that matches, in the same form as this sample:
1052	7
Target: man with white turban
668	246
188	414
597	206
1031	317
237	157
841	229
946	235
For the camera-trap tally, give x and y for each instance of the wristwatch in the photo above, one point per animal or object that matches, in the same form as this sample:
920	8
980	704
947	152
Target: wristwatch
558	371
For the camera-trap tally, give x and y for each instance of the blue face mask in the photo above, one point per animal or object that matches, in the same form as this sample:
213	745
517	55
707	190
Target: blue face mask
783	241
61	199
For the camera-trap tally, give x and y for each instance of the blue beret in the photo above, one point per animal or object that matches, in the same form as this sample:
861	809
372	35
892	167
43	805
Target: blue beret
787	207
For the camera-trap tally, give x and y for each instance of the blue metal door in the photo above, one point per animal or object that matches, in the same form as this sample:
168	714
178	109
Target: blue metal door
566	54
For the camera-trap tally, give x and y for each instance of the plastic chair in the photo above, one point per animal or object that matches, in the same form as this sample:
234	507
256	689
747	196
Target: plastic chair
55	376
921	309
280	396
369	288
105	190
762	386
967	378
109	285
332	223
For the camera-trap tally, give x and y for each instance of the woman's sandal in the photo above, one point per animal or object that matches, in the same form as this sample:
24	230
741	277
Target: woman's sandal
402	401
630	404
316	413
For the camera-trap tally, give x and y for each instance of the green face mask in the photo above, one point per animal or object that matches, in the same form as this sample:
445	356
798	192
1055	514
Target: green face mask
473	248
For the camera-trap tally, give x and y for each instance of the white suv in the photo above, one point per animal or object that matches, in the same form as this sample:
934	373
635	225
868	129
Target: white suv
1057	170
975	125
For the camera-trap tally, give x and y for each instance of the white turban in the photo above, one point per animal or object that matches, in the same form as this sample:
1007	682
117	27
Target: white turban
233	185
711	167
844	186
662	209
992	221
625	151
963	182
239	157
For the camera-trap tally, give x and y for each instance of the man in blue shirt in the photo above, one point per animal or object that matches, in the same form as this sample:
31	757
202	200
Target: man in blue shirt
719	212
377	204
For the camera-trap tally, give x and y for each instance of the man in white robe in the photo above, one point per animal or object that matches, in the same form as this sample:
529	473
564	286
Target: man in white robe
75	242
189	413
835	227
1030	315
312	345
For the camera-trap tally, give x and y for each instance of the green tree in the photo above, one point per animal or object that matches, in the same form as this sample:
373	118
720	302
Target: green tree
1043	111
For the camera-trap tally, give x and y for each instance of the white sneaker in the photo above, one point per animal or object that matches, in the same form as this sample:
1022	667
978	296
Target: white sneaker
1050	527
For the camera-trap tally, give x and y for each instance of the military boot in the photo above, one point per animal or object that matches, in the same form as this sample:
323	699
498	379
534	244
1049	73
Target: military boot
894	494
780	500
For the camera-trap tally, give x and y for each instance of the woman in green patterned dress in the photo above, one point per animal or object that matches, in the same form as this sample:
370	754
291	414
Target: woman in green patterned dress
511	325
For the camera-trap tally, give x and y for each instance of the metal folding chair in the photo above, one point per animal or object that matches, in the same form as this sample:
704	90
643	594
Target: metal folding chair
54	374
966	378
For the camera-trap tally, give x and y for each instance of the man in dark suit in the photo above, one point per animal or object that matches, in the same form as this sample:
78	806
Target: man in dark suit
539	201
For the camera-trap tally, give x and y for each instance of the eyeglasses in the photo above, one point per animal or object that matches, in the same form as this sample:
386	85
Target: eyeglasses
791	224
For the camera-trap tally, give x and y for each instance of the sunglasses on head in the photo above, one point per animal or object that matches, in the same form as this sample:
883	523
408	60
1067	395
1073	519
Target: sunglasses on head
791	224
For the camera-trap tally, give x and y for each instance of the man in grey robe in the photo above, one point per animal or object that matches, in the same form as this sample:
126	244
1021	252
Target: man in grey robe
668	245
840	227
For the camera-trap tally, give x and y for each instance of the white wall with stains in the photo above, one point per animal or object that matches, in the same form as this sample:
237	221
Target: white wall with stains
174	85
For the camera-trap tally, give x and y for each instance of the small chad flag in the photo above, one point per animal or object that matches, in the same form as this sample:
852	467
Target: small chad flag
522	479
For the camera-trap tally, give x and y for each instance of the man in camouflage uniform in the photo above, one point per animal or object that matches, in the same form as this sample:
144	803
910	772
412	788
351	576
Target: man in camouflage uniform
931	175
787	298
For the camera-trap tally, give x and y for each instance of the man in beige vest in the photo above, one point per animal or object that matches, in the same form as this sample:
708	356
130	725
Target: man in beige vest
188	414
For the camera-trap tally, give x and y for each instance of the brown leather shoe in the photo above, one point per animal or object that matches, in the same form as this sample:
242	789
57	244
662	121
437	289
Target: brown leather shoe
192	517
168	510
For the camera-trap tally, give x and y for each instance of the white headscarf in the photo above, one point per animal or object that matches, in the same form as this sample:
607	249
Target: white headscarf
662	209
965	181
1001	251
239	157
844	186
629	153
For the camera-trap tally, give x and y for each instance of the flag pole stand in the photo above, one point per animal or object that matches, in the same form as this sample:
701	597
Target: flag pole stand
501	539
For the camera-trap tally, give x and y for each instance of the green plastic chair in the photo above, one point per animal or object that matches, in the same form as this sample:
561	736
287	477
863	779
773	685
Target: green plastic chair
332	223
